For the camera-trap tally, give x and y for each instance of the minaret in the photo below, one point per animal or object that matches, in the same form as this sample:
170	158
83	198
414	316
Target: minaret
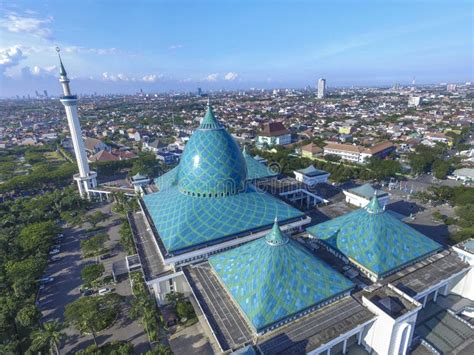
86	179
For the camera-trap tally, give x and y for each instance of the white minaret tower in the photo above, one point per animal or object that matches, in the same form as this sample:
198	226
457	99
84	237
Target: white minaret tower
86	179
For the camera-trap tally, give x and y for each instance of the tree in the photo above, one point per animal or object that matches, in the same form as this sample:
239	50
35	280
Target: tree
383	169
146	164
92	314
126	237
185	309
160	349
466	214
49	337
91	273
95	218
441	169
37	236
174	297
28	316
94	244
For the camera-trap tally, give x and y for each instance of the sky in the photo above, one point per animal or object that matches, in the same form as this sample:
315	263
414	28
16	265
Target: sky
123	46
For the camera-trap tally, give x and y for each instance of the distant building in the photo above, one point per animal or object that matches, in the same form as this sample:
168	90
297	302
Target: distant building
311	176
464	174
321	88
451	87
311	150
272	134
414	101
346	130
358	154
154	146
94	145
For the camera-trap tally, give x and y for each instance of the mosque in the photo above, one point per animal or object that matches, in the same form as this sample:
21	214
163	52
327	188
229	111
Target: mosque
264	281
243	257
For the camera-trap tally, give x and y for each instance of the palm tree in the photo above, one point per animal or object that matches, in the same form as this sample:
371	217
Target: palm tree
49	336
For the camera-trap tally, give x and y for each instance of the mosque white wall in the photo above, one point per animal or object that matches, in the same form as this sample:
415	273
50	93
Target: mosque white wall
359	201
388	335
170	283
464	284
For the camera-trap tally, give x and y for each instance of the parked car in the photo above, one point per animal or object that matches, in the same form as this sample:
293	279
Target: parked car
105	256
60	236
54	252
46	280
104	291
88	292
55	258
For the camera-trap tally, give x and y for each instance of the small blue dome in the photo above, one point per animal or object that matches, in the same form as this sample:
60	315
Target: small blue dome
212	164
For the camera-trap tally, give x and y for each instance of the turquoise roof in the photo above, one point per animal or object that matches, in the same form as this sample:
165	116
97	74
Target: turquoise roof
312	171
184	221
212	163
374	238
198	202
367	191
273	281
255	169
168	179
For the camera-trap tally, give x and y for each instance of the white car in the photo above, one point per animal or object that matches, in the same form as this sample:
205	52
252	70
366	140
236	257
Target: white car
104	291
54	252
60	236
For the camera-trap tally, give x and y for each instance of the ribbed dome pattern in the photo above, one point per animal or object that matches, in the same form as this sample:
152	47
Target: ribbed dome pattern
212	164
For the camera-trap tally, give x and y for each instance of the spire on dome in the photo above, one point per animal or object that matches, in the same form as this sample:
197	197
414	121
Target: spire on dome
374	206
209	121
275	237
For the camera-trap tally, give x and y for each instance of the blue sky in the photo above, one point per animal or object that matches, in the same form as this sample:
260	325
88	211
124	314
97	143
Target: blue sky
122	46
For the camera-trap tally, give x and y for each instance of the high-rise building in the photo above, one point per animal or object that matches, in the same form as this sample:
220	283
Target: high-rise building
45	93
414	101
451	87
321	88
86	179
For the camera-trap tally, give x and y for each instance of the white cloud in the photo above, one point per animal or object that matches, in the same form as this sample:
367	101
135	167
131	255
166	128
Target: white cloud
212	77
151	78
176	46
231	76
24	24
10	57
97	51
37	71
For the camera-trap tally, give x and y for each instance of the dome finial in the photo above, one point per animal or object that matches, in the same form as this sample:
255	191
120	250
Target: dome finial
275	236
209	121
374	206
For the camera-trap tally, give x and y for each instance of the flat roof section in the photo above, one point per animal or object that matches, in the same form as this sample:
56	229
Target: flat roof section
316	329
389	301
427	272
228	325
152	264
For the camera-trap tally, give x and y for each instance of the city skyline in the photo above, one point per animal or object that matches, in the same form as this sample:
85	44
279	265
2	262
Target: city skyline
168	46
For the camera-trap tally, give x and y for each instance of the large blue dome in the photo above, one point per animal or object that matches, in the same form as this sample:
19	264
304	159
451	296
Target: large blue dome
212	164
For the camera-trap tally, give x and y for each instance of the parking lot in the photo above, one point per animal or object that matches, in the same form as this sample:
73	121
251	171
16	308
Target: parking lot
55	295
